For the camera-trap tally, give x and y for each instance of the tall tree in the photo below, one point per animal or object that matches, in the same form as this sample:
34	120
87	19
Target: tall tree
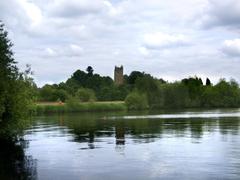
134	76
208	82
8	70
89	70
16	90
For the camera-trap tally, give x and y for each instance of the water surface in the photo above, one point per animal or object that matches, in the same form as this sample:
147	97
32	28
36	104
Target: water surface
158	145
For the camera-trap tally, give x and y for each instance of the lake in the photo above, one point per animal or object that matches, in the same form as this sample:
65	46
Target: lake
190	144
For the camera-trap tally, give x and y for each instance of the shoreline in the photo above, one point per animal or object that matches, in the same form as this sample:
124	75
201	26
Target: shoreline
41	108
55	107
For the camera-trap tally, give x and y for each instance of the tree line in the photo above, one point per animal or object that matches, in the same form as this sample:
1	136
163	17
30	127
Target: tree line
187	93
141	90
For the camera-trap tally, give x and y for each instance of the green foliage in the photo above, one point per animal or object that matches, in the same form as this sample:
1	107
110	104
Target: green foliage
136	101
134	76
194	86
46	93
17	91
175	95
103	87
113	93
209	97
51	93
149	86
187	93
223	94
88	80
45	109
73	105
85	95
61	95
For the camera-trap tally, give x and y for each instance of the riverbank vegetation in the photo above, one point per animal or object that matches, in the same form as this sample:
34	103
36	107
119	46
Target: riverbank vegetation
72	105
143	91
16	91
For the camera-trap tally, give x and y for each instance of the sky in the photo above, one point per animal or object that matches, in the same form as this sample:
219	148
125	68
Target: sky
170	39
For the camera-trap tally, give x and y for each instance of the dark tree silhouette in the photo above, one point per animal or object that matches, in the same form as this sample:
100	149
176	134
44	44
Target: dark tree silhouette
134	76
89	70
208	82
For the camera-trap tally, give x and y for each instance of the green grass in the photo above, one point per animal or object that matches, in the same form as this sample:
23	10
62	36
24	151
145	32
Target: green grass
43	108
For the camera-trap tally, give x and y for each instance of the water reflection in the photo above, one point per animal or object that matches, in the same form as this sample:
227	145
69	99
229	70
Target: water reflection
89	128
97	146
120	133
14	163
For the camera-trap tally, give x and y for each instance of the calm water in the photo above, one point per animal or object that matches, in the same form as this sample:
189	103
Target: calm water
158	145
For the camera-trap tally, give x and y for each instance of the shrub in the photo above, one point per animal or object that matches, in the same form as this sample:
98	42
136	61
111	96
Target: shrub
136	101
72	104
61	95
85	95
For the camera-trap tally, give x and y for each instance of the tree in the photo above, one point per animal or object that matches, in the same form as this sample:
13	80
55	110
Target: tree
47	93
85	95
136	101
16	91
89	70
208	82
194	85
223	94
134	76
149	86
61	95
8	70
175	95
210	97
79	77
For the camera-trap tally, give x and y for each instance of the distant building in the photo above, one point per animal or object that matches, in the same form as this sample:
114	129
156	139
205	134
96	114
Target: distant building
118	75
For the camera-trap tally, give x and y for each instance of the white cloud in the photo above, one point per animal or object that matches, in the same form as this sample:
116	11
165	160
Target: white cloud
144	51
112	11
163	40
32	11
116	52
71	50
231	47
50	52
75	50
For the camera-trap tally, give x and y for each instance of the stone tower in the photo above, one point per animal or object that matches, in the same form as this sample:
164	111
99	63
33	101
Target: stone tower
118	75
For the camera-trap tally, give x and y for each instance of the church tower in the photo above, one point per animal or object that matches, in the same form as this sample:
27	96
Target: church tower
118	75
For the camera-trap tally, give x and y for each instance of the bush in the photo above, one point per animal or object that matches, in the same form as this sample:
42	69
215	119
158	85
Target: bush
136	101
85	95
46	93
72	104
61	95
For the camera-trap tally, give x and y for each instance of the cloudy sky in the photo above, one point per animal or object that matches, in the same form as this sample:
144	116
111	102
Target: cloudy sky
170	39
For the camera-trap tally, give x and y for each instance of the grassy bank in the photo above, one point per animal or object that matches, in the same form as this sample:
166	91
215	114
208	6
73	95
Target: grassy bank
52	107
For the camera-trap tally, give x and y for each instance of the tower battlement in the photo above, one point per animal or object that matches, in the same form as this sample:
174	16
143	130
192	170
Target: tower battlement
118	75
